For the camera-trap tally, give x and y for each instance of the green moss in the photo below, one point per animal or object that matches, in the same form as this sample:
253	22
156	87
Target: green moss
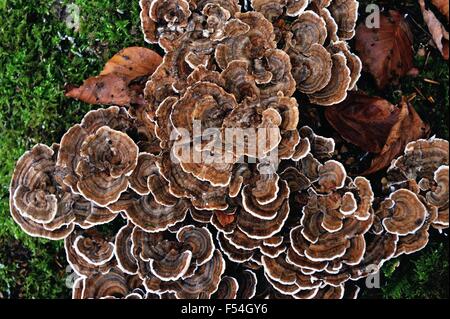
39	54
424	276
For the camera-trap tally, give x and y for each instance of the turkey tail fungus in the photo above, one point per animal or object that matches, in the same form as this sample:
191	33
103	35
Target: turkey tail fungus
202	215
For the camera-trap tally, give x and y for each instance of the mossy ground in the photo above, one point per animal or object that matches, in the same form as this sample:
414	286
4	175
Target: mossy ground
40	54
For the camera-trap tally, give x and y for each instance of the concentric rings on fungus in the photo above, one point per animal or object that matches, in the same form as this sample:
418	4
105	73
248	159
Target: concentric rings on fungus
276	216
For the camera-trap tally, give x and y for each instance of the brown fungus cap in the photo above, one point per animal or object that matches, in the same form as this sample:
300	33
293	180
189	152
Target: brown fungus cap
228	288
123	250
164	21
113	284
308	29
88	253
345	13
332	176
205	281
420	160
35	194
151	216
336	89
406	213
94	249
85	153
106	159
295	226
275	9
42	205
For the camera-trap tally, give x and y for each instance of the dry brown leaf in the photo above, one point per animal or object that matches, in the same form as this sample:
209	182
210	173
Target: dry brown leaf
122	80
102	89
363	120
438	32
133	62
408	128
386	52
376	126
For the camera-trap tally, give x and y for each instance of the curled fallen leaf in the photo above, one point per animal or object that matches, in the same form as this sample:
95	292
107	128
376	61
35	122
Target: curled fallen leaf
133	62
122	80
376	126
408	128
387	51
363	120
438	32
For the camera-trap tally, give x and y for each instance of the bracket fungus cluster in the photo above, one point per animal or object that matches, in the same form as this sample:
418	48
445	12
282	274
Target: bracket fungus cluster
204	216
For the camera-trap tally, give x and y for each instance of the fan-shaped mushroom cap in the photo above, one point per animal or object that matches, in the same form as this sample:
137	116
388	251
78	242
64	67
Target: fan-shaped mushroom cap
285	274
361	210
228	288
249	46
123	250
88	253
144	171
257	228
87	214
93	249
345	13
321	147
199	241
164	21
332	27
41	205
270	9
378	251
202	194
34	190
275	9
113	284
312	69
336	89
151	216
423	168
204	102
406	213
420	159
37	230
353	61
414	242
263	210
238	81
332	176
163	258
247	284
232	6
106	150
172	266
71	143
263	133
299	259
233	253
308	29
278	65
204	281
296	180
439	195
